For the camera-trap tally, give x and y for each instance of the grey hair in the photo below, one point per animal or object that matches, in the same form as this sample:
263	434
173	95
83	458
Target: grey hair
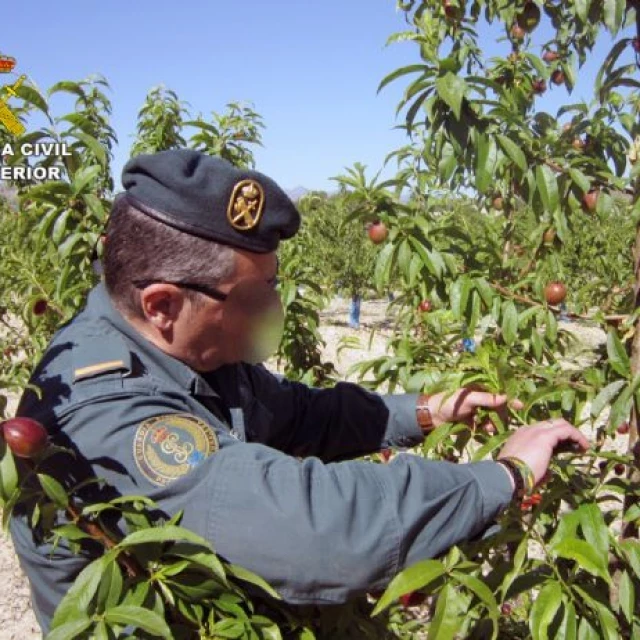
139	247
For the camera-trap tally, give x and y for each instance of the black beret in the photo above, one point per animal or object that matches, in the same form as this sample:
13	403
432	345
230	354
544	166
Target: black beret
211	198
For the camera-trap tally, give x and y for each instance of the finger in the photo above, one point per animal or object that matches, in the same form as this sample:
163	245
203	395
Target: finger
554	423
485	399
567	431
516	404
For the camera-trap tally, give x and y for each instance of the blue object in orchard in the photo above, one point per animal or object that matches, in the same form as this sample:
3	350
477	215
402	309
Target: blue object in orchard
563	313
354	312
469	344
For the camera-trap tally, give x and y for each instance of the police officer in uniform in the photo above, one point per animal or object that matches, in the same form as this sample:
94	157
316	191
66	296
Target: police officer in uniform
158	387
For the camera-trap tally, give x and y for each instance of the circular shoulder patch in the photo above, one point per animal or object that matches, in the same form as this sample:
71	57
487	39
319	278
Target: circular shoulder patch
169	446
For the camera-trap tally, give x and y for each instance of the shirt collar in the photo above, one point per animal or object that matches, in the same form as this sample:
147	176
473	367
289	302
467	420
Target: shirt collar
99	304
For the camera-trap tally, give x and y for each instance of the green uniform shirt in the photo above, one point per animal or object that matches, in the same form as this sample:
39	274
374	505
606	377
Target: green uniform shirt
226	448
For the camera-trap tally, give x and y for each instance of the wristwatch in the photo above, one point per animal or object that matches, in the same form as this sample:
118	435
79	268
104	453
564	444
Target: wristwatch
423	413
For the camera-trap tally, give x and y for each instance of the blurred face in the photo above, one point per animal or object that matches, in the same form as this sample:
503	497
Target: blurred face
215	332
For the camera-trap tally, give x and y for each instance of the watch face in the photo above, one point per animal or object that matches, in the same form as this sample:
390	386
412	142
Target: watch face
424	416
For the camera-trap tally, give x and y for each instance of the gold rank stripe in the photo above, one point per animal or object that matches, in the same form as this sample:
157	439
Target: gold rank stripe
97	368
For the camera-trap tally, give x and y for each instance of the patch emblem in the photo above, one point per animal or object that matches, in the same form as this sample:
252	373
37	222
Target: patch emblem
170	446
246	205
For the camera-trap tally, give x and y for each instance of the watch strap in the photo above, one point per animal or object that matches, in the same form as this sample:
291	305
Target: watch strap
522	475
423	413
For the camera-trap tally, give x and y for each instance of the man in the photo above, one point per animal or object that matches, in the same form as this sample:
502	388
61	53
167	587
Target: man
152	385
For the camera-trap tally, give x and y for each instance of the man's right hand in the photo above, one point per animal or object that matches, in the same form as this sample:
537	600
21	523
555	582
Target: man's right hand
535	444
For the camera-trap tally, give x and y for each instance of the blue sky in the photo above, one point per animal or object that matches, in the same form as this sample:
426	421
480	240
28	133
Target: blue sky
311	69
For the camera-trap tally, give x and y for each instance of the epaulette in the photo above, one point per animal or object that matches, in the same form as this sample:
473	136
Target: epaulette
101	355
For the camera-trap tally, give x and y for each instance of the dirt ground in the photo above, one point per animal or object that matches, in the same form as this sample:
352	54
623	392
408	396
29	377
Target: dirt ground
17	621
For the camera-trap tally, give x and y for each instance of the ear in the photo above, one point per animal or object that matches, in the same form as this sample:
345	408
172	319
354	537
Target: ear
162	304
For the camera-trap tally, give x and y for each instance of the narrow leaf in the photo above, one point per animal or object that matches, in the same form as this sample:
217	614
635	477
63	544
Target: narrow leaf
586	557
544	609
414	577
548	187
513	151
451	89
139	618
54	490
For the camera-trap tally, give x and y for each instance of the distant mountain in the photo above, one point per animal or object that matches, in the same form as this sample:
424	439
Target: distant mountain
297	193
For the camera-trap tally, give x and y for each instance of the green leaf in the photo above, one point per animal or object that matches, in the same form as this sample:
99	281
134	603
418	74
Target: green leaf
582	9
622	406
67	246
491	445
404	257
613	15
509	322
631	549
8	474
608	622
84	176
447	617
71	630
70	532
605	396
475	311
566	530
412	68
30	95
513	151
383	266
580	179
101	631
436	436
594	527
54	490
586	631
414	577
452	89
162	534
247	576
551	328
483	592
79	596
548	187
93	145
586	557
139	618
485	290
560	220
486	160
618	358
228	629
208	560
110	588
627	596
568	629
60	226
68	86
459	295
544	609
518	561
